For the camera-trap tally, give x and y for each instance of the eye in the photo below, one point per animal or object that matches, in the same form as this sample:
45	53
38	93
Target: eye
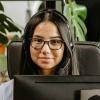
55	42
37	40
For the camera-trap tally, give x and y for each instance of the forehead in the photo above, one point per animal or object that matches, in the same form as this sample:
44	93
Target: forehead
46	29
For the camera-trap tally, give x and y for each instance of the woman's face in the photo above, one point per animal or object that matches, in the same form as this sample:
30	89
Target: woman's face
43	56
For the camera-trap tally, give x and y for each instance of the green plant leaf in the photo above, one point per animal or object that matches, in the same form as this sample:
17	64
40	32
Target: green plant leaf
3	17
8	24
1	7
80	10
2	29
78	30
15	38
76	14
82	25
3	39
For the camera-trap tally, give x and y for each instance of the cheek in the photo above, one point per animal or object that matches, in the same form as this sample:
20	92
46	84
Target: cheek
59	55
34	54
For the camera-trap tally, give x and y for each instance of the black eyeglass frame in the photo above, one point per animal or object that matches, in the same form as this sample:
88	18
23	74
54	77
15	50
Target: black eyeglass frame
48	42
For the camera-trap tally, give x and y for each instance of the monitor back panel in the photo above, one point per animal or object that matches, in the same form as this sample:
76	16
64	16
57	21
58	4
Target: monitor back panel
52	87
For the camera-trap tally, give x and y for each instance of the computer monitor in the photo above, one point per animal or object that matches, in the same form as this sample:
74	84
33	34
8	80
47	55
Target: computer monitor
36	87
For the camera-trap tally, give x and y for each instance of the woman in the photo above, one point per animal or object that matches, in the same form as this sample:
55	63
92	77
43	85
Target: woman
47	46
46	50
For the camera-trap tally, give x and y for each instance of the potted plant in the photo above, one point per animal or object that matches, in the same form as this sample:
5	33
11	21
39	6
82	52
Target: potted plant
76	14
7	25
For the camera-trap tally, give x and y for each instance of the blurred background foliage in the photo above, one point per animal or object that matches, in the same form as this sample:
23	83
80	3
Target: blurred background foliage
7	25
76	14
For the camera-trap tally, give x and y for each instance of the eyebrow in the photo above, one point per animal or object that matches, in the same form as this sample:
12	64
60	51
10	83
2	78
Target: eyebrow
43	37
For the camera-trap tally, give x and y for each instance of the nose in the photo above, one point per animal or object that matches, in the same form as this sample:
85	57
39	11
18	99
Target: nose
45	49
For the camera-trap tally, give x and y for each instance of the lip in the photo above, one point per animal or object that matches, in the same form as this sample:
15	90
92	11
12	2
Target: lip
45	58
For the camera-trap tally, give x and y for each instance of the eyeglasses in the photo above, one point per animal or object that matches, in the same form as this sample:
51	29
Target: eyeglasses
54	44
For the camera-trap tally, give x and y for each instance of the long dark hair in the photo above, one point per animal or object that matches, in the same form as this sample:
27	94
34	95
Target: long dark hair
65	66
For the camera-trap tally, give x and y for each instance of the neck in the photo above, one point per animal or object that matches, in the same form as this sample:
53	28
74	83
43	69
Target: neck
48	72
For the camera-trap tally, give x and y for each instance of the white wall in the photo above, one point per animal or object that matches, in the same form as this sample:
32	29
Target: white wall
17	10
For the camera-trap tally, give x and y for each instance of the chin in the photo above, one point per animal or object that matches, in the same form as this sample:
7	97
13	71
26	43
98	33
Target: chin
46	67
